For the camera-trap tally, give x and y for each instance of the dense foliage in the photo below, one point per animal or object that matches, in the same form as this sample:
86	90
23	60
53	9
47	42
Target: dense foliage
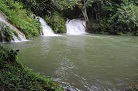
51	10
114	16
15	77
45	7
103	16
57	22
20	18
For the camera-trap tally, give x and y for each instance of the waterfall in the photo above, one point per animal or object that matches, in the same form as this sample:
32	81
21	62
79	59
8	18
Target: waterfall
15	39
21	36
75	27
47	31
1	20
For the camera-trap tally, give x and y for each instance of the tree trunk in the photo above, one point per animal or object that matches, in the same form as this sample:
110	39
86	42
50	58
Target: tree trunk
84	11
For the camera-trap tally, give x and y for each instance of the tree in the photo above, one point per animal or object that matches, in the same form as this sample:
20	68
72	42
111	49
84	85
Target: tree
65	4
85	5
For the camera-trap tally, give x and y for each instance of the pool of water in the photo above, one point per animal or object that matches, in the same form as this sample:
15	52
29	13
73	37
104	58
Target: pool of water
83	63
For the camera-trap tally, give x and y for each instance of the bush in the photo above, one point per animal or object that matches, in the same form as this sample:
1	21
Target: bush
116	17
15	77
124	21
57	22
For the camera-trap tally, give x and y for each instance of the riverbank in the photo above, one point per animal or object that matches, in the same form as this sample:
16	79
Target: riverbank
14	76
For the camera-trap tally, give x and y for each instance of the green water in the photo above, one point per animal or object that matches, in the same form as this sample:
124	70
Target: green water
84	63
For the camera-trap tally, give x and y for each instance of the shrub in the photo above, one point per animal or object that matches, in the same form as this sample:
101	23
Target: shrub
57	22
15	77
124	21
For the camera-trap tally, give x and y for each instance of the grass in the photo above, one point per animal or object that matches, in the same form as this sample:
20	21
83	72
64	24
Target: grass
15	77
21	18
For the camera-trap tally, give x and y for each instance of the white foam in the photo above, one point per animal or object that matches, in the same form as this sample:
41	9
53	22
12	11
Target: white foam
75	27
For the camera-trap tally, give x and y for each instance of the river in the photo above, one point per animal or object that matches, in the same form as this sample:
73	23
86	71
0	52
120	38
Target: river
83	63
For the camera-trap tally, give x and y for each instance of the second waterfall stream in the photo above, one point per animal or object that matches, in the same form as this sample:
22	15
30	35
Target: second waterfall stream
47	31
75	27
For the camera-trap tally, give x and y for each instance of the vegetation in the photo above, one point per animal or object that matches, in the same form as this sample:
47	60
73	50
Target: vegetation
6	34
16	77
50	11
116	17
20	18
57	22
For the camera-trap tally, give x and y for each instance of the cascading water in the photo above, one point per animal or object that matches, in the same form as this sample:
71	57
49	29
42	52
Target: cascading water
75	27
15	38
21	36
47	31
1	20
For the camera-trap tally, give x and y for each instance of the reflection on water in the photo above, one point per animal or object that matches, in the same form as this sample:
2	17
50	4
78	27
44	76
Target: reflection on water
84	63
